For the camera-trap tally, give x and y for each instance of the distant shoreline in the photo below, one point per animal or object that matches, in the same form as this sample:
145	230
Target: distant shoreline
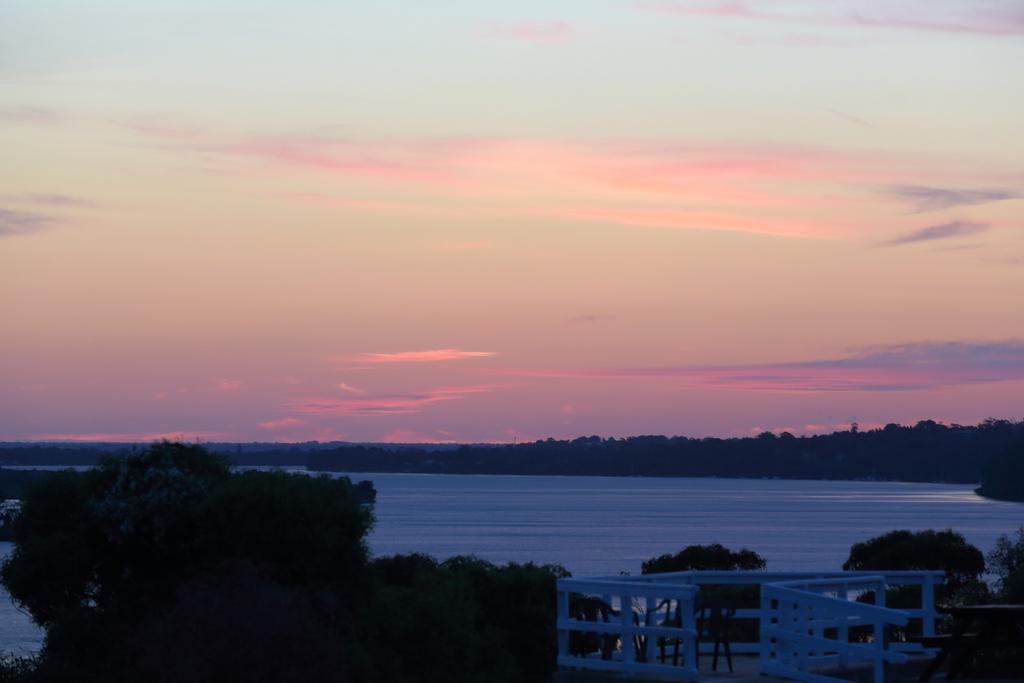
928	452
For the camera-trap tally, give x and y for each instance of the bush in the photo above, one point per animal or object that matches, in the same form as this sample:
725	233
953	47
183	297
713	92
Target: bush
1007	562
166	549
163	566
704	558
899	550
466	619
1003	475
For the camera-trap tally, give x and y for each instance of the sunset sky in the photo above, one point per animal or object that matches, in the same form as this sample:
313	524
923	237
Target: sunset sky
486	221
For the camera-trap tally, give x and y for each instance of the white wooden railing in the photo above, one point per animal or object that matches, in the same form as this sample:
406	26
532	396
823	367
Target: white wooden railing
806	627
824	598
639	615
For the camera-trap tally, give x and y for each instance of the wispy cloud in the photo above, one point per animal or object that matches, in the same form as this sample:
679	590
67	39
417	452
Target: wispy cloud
22	222
905	367
766	188
925	198
397	160
228	384
688	219
283	423
994	18
431	356
939	232
53	200
32	115
349	389
531	31
131	437
384	404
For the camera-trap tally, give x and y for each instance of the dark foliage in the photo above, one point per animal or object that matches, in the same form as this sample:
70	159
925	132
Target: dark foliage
704	558
1006	561
1003	475
466	619
927	451
163	566
166	549
899	550
14	482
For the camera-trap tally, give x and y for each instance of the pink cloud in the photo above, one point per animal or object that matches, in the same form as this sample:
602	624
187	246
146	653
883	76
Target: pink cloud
130	436
32	115
979	18
431	356
348	388
907	367
228	385
400	160
676	219
283	423
384	404
532	31
778	189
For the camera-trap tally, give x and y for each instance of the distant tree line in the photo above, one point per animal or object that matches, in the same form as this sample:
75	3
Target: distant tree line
1003	475
925	452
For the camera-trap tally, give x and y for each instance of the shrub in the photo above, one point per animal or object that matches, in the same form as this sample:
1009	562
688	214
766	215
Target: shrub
165	548
704	558
898	550
1007	562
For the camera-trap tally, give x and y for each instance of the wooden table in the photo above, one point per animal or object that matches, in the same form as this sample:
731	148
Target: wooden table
996	626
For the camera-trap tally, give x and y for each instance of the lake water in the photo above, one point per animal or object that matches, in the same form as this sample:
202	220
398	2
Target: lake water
600	525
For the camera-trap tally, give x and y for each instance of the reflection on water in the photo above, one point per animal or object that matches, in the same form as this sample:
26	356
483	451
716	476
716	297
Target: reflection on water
599	525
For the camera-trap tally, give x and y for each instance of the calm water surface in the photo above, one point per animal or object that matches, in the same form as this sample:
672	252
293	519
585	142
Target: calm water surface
599	525
602	525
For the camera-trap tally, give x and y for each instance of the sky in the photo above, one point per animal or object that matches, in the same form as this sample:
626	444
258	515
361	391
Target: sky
480	221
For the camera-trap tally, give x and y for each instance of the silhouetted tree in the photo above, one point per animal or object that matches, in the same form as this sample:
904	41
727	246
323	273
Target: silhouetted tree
1003	475
898	550
1006	561
704	558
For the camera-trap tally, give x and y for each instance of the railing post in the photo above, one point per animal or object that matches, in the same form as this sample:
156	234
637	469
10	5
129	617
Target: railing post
928	605
626	618
689	645
562	600
650	619
803	647
880	635
764	621
843	631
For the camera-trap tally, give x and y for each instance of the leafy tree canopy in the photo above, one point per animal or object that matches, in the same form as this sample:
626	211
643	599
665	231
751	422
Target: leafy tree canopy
137	552
704	558
907	550
1006	561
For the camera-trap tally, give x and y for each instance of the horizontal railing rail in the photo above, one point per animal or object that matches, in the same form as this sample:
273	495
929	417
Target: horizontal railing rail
630	627
829	603
806	627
